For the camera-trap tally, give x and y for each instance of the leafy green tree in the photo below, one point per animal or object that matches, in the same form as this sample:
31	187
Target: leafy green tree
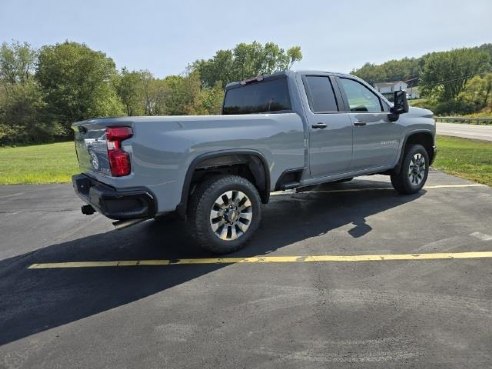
217	69
211	99
183	94
406	69
445	74
244	61
143	94
478	92
17	62
158	93
130	89
371	73
22	106
77	82
487	48
154	94
22	117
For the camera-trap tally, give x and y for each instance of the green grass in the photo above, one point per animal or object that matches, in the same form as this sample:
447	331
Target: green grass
51	163
55	163
470	159
416	102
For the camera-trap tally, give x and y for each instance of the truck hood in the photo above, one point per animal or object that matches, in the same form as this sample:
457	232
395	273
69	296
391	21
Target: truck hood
419	112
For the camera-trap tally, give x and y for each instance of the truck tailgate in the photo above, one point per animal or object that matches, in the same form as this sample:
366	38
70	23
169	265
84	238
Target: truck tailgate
90	145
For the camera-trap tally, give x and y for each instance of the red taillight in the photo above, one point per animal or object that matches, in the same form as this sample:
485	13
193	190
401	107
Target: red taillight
119	160
118	133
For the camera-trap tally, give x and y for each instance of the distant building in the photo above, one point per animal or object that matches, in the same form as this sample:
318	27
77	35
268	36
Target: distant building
413	92
387	88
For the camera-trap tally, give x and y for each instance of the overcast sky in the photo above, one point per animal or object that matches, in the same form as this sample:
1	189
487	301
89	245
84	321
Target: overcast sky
165	36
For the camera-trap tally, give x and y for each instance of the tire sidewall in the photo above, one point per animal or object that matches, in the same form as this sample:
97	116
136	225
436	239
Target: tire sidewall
205	205
415	149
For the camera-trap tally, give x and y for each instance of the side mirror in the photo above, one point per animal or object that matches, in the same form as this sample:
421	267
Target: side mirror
400	105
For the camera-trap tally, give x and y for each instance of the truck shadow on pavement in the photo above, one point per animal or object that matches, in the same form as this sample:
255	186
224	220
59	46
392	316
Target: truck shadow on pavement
37	300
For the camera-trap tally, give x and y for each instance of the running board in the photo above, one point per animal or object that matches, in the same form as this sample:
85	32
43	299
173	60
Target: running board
121	224
290	186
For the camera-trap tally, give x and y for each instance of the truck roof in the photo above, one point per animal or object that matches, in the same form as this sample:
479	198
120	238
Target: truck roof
287	73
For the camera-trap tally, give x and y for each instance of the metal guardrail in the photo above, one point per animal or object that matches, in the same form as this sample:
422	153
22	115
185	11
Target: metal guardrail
466	120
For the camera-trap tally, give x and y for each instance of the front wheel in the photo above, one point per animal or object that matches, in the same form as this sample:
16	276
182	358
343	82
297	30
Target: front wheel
224	213
414	171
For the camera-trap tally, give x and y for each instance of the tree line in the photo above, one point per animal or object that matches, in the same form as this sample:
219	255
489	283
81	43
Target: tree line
452	82
43	91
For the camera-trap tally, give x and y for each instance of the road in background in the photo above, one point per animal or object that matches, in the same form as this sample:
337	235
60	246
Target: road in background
472	131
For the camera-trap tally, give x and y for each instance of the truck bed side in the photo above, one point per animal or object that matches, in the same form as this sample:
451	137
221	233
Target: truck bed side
163	148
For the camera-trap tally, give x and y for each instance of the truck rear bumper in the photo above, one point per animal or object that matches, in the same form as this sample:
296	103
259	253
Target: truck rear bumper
124	204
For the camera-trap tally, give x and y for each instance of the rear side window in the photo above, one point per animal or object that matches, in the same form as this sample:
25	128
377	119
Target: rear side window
320	94
258	97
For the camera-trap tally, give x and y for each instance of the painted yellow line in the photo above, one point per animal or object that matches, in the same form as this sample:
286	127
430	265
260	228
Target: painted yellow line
280	193
457	186
266	259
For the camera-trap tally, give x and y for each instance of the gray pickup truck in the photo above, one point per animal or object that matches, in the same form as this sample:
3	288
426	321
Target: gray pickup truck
289	130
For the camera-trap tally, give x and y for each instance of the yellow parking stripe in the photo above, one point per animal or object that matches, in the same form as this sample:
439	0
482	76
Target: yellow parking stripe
457	186
265	259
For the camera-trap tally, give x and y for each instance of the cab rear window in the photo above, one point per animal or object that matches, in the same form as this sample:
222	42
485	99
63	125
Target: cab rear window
270	95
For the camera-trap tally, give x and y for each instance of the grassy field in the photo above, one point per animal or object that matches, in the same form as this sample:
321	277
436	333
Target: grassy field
55	163
470	159
416	102
51	163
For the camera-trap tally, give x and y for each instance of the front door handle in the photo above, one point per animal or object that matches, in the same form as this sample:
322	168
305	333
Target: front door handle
359	123
319	125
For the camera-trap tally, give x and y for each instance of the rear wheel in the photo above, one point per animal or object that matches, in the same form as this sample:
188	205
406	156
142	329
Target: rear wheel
414	171
224	213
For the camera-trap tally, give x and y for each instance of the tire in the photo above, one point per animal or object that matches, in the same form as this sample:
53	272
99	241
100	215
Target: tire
413	172
224	212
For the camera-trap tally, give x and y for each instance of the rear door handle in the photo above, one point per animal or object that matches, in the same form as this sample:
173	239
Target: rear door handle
319	125
359	123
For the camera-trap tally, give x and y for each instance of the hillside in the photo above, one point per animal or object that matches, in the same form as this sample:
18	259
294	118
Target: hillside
406	69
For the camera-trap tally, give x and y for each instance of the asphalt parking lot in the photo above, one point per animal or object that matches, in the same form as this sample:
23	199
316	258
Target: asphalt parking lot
264	313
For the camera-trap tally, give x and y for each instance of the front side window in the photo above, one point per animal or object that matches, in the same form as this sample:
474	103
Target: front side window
320	94
270	95
360	98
